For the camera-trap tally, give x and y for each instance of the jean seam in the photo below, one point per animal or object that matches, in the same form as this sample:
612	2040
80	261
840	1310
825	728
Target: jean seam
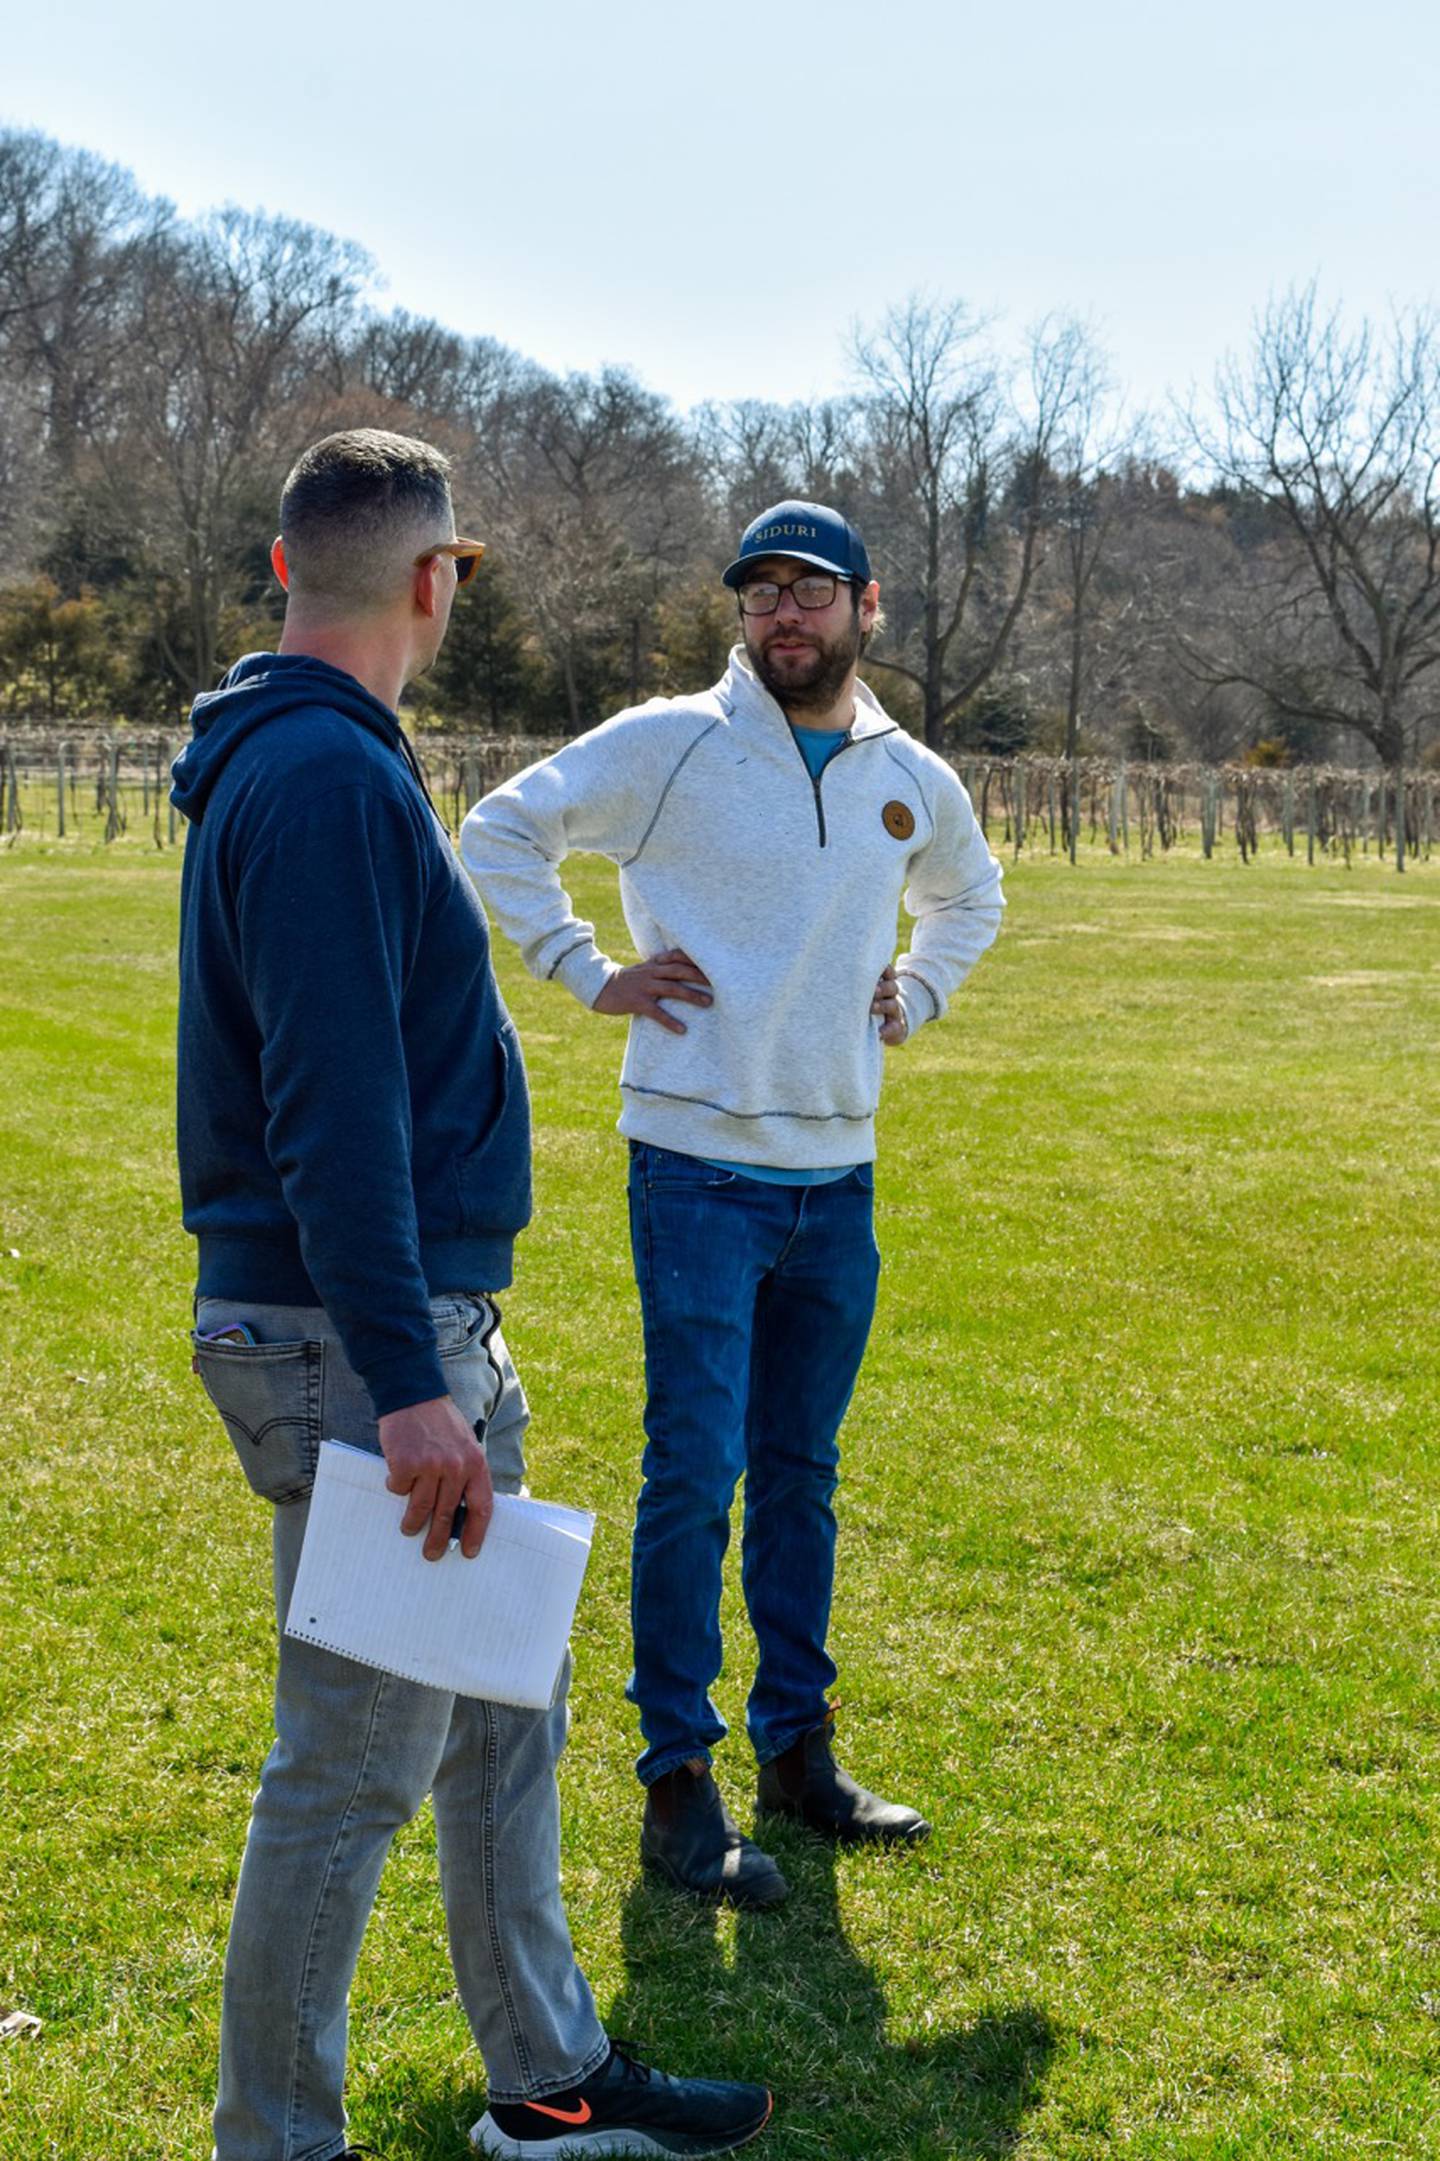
492	1903
645	1286
316	1400
795	1229
321	1897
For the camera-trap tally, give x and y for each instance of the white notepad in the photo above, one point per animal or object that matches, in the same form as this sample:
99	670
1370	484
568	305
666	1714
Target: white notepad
496	1626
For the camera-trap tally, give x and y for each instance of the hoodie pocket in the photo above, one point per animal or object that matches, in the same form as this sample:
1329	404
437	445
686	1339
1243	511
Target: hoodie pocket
492	1180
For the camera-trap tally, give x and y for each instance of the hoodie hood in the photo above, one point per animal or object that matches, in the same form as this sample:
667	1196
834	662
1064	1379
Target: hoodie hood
258	689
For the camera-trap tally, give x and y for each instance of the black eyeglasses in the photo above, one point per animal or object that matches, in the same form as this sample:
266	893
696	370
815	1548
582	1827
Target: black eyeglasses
763	597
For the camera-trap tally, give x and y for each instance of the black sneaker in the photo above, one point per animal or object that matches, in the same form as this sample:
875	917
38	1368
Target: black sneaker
625	2108
690	1838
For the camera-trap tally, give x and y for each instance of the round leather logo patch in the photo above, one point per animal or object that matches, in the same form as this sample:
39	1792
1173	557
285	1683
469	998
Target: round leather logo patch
899	820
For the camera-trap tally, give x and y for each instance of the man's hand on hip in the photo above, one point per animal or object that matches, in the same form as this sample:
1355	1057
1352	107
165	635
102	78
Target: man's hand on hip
434	1457
886	1002
664	975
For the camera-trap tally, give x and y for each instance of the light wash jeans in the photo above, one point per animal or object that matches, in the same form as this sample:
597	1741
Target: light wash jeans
757	1301
356	1751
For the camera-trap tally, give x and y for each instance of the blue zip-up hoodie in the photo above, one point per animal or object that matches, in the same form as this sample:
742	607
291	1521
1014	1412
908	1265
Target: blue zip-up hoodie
354	1124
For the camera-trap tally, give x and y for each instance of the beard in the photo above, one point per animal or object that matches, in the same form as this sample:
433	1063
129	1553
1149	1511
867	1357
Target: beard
808	682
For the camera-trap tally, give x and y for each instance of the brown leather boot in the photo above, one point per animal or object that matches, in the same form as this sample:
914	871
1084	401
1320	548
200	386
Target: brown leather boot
690	1838
805	1781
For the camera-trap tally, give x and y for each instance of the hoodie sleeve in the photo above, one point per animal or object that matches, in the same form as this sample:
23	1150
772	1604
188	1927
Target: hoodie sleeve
954	893
329	914
599	794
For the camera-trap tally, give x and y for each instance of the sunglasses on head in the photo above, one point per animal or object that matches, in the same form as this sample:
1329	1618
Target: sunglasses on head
465	553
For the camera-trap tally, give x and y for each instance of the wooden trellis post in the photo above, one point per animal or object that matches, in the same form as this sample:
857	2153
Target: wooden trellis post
1245	827
1310	819
14	816
114	816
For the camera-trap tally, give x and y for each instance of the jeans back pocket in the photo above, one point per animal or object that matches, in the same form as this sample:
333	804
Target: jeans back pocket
268	1396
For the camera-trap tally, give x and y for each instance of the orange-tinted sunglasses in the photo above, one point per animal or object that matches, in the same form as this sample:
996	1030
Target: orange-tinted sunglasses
467	554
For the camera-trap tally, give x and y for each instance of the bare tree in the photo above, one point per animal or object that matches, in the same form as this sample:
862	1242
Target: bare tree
755	454
1168	577
73	231
1092	454
410	360
235	354
958	485
1336	434
590	488
22	474
1090	497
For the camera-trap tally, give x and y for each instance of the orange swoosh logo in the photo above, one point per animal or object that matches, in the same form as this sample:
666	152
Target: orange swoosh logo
563	2115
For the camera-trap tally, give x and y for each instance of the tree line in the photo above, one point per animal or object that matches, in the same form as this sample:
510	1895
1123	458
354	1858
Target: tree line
1258	580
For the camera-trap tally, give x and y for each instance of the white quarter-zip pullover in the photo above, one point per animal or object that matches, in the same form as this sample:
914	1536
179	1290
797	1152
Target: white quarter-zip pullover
784	889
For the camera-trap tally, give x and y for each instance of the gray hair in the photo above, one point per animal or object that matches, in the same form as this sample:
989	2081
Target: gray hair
356	510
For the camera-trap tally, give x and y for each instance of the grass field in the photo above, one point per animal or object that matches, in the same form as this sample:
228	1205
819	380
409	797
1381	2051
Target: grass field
1138	1564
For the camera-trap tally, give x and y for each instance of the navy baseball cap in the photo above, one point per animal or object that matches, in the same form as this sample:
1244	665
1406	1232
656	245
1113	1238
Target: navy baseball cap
807	533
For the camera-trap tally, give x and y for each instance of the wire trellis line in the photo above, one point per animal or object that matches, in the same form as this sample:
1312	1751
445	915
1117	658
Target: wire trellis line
89	784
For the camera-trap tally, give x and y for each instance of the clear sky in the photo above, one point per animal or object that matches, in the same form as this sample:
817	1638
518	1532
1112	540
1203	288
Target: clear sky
713	195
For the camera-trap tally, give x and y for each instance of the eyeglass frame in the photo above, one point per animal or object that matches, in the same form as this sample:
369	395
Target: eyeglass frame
834	578
465	554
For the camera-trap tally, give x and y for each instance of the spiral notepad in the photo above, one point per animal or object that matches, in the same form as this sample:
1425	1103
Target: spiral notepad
495	1626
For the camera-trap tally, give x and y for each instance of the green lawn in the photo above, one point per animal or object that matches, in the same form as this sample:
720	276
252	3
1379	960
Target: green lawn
1137	1593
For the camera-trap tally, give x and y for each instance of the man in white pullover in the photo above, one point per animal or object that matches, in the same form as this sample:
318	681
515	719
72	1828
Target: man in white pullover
765	832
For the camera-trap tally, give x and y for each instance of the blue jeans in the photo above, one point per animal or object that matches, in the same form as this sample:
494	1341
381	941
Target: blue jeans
757	1301
356	1751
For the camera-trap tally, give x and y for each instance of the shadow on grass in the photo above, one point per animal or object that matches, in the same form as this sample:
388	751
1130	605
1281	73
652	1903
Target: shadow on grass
785	1998
797	2007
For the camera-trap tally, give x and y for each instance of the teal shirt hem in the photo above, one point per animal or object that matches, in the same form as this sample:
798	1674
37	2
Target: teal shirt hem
770	1174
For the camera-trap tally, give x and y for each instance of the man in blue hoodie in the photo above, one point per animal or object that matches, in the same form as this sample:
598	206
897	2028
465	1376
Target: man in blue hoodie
354	1157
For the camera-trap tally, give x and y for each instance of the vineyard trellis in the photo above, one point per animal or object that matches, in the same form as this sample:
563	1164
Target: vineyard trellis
89	785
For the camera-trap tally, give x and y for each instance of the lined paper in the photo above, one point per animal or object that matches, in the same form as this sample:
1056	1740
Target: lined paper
496	1626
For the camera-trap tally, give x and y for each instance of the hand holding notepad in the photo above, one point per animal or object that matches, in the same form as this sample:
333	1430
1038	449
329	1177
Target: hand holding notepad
495	1626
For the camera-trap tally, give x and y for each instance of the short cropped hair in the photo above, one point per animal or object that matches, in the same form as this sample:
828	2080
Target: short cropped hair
356	510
